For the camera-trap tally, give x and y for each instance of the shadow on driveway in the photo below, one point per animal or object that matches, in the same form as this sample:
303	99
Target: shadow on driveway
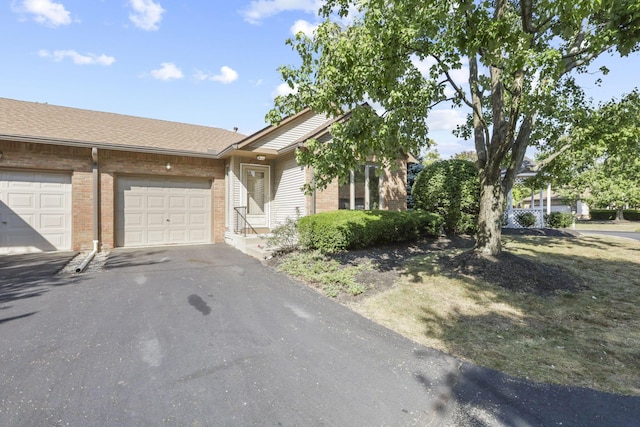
29	275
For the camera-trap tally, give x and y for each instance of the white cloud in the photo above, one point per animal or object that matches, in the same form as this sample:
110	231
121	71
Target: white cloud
283	89
445	119
260	9
304	26
146	14
46	12
77	58
167	71
227	75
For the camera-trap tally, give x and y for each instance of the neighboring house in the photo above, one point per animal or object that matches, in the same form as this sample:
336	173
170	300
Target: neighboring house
69	177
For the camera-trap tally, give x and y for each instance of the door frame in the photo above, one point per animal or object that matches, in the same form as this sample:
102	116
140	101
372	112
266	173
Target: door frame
256	221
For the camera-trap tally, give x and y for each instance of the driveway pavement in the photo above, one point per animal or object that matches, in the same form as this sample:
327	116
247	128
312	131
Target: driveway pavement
208	336
625	234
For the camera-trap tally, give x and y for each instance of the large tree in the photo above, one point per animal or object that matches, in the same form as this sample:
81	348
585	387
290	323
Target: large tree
521	56
599	160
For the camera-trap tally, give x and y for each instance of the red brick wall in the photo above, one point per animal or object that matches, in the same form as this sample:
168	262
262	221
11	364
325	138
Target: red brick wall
327	199
395	188
20	155
394	191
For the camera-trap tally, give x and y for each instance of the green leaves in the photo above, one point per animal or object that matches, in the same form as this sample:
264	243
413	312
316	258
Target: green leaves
399	56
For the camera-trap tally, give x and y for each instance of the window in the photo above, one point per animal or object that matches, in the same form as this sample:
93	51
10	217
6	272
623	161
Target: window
362	191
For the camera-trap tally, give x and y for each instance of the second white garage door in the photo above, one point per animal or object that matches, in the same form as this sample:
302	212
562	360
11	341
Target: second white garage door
151	211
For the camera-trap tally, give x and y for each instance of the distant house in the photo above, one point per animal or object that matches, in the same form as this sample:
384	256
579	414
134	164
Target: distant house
69	177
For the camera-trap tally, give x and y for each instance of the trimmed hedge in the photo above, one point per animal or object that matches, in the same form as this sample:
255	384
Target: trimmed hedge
450	188
558	219
631	214
346	229
602	214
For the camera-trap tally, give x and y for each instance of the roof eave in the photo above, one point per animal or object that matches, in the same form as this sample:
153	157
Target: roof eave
107	146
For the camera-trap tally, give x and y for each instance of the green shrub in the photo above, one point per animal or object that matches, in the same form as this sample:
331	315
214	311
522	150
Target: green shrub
526	219
344	229
450	188
602	214
631	214
558	219
285	236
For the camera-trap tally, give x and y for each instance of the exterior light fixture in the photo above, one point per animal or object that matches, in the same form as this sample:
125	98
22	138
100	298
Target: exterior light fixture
168	166
260	157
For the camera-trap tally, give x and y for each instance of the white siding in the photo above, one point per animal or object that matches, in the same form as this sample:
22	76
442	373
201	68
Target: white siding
287	194
291	132
234	189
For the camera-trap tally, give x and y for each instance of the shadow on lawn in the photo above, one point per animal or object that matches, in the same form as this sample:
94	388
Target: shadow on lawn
587	336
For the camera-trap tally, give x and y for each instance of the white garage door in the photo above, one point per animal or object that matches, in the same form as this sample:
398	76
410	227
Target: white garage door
151	211
35	211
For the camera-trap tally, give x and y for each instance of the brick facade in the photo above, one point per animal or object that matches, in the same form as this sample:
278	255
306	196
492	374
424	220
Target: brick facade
111	164
394	191
395	188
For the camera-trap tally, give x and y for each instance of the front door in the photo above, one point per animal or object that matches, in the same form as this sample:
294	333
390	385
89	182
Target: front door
256	194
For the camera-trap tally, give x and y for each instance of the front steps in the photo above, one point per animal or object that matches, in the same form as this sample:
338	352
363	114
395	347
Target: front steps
254	245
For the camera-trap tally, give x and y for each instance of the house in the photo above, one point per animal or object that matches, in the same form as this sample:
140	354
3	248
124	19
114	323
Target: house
71	179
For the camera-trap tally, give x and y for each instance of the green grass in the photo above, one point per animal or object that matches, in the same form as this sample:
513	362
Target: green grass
328	274
608	226
589	337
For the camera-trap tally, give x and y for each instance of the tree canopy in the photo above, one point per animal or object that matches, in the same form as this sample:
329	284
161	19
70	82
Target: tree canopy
402	56
599	161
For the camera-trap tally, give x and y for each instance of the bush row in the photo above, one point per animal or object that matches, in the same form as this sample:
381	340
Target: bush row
610	215
344	229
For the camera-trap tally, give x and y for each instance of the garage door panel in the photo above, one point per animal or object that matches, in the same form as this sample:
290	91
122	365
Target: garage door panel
197	220
134	219
52	201
21	200
197	202
198	235
20	222
166	208
156	237
36	211
177	202
156	202
155	219
52	222
134	201
178	236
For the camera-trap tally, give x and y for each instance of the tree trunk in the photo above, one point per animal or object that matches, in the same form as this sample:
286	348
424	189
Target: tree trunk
619	214
492	196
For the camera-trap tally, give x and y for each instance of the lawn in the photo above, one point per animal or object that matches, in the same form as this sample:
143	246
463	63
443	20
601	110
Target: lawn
624	226
588	336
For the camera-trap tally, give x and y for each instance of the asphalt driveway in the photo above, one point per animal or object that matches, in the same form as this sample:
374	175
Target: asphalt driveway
208	336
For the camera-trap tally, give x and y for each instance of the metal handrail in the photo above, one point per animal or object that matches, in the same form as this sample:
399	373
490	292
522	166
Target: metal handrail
240	222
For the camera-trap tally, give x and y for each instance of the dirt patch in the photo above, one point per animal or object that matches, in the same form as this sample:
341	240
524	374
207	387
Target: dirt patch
511	272
549	232
507	270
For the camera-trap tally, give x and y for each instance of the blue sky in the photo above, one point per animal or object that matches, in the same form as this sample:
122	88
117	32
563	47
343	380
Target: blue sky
203	62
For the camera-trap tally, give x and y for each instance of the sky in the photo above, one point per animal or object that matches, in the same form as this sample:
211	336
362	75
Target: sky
211	63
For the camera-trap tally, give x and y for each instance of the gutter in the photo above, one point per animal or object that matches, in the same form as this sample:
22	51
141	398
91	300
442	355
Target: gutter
89	257
96	207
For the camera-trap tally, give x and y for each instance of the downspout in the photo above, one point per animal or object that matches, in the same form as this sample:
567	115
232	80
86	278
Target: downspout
87	260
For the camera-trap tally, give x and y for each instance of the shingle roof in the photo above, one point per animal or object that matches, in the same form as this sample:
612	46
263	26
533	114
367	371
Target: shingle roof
50	122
